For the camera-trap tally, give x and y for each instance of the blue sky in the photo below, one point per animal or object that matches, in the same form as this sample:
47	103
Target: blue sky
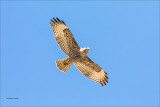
123	37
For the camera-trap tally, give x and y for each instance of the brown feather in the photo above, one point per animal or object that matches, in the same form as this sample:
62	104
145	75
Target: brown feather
55	20
63	22
87	66
68	44
52	21
58	20
64	38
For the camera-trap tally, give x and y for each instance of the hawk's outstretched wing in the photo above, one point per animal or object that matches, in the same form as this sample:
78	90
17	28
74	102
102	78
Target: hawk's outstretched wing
64	37
91	70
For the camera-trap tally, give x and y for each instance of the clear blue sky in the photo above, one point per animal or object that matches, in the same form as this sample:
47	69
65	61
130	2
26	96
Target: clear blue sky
123	38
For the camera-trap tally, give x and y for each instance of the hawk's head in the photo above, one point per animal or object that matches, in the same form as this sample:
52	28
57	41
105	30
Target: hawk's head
84	50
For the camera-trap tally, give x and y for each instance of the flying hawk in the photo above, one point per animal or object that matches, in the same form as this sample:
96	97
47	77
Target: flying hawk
76	55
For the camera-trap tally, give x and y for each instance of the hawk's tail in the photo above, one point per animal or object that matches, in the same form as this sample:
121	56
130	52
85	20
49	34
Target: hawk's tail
64	64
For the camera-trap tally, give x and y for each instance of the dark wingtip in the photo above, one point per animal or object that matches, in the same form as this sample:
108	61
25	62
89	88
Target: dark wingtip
57	20
106	73
52	21
63	22
106	77
104	83
106	80
101	83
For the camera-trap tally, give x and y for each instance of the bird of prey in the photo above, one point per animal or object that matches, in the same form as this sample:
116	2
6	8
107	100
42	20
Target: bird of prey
76	55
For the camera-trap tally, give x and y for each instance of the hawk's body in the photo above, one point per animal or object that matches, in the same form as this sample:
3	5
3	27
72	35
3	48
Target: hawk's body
78	55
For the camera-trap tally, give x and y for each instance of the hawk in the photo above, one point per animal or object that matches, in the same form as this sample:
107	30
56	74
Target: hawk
76	54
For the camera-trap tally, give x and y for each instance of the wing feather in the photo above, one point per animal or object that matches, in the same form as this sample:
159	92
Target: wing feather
64	37
92	70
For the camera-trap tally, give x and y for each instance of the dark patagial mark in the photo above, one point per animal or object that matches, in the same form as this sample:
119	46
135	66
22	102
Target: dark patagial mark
66	30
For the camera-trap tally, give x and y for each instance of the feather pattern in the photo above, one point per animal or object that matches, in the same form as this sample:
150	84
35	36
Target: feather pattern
67	43
64	37
91	70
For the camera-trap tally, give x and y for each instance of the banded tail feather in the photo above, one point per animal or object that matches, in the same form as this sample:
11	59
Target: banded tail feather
64	64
